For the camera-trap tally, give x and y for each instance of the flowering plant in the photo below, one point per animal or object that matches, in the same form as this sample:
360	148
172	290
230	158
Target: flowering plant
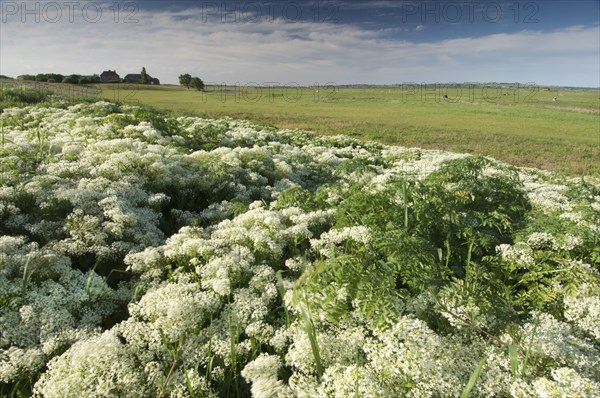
146	255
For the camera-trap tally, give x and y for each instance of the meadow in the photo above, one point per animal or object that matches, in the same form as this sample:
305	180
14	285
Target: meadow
145	255
521	125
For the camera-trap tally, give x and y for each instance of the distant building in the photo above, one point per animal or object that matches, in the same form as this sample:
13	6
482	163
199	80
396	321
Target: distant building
137	78
109	76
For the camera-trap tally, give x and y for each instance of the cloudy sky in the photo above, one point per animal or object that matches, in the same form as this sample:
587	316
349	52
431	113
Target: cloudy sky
306	42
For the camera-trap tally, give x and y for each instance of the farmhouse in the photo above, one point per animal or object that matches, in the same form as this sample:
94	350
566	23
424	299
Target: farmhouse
137	78
109	76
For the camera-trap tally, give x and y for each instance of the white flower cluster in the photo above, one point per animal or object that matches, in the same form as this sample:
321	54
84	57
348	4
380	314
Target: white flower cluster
46	305
583	309
262	373
543	194
544	240
520	253
142	259
416	162
98	367
328	242
550	194
408	359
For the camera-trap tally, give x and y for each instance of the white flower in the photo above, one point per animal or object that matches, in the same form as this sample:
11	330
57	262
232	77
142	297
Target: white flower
327	244
99	367
566	383
175	309
542	240
583	309
571	216
521	254
262	373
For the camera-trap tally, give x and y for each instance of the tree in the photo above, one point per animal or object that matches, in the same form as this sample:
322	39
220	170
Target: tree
73	79
197	83
185	80
55	78
143	76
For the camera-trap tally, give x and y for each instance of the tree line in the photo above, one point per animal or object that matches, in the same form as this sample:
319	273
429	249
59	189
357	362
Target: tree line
58	78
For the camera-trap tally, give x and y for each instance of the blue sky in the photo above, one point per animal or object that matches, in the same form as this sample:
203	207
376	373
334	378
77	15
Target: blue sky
306	42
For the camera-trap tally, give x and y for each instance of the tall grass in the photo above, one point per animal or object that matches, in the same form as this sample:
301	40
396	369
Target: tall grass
309	328
20	96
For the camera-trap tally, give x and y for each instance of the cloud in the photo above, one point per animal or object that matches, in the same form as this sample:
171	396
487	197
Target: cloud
270	49
420	28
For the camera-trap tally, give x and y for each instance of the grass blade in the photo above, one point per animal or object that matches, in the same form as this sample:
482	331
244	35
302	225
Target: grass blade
310	329
473	380
526	360
514	359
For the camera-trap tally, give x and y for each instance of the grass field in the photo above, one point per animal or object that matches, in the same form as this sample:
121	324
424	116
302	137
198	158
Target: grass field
519	125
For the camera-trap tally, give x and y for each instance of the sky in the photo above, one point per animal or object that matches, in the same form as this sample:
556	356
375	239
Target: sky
313	42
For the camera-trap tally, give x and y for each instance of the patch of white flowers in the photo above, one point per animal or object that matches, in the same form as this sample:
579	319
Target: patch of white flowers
583	309
520	254
137	261
327	242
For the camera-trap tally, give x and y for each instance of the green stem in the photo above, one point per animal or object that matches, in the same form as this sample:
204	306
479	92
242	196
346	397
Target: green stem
405	194
310	329
526	360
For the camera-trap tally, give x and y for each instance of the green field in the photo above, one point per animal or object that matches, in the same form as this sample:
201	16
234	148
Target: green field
519	125
522	126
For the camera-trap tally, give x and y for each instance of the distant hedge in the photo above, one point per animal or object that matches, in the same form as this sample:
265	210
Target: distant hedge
58	78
